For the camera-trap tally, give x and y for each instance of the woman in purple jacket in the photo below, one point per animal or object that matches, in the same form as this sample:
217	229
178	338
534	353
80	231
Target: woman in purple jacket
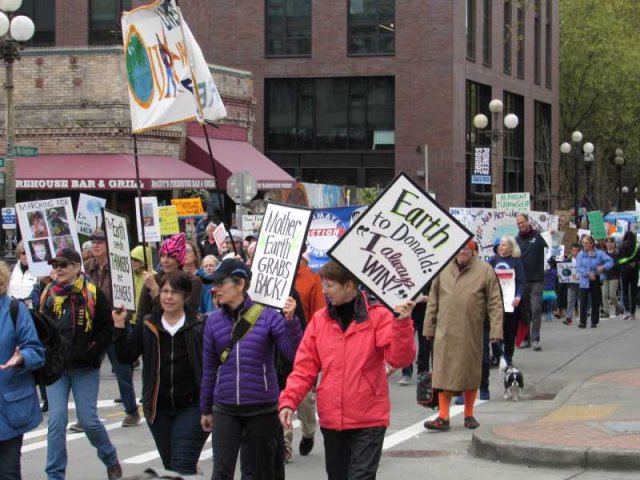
239	390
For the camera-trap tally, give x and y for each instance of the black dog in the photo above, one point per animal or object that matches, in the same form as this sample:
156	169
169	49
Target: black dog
513	383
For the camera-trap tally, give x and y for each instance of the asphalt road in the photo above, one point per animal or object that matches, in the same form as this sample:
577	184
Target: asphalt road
568	354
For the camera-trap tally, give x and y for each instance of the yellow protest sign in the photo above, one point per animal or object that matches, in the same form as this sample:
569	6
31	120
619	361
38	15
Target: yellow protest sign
188	207
168	220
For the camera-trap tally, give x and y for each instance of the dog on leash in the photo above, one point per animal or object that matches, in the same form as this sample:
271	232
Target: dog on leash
513	384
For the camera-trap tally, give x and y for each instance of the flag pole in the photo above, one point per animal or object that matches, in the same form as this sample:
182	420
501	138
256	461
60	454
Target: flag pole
144	238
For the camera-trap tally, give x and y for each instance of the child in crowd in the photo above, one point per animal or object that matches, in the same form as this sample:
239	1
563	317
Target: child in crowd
549	295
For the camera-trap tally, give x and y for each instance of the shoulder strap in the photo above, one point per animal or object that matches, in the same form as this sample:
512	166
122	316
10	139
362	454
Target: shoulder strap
243	326
13	310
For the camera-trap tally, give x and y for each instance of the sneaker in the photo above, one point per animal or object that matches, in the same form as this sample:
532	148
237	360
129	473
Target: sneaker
536	346
76	428
306	445
459	400
626	316
567	321
114	471
485	394
131	420
404	381
525	344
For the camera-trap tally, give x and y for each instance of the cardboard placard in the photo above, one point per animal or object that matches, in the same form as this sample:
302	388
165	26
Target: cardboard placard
188	207
151	219
168	220
596	225
280	244
122	289
515	201
567	273
46	229
89	215
400	242
507	279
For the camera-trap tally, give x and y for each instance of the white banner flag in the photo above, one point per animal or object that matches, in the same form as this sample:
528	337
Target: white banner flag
168	77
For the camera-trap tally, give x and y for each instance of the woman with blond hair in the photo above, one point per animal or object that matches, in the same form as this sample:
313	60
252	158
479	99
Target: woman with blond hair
507	257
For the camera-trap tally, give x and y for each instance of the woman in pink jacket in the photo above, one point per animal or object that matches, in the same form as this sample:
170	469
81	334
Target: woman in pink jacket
348	343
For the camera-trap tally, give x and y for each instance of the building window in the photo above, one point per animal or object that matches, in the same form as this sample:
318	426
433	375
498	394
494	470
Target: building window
520	42
487	32
345	113
470	28
288	28
478	97
104	21
537	38
43	14
372	27
547	52
513	146
542	157
506	37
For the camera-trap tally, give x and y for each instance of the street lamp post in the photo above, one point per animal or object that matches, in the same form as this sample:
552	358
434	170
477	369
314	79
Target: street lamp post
619	161
567	149
480	121
588	162
14	31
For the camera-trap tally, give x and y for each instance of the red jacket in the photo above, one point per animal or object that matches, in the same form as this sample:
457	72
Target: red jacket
353	390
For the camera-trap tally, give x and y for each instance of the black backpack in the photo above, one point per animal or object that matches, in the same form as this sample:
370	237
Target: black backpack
50	338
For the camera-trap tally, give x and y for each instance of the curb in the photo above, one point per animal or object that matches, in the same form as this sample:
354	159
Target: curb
491	447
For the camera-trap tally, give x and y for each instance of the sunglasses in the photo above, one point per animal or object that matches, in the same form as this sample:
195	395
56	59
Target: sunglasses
57	265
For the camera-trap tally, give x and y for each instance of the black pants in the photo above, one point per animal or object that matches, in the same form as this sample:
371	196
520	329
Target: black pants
595	293
10	458
424	349
510	329
179	438
353	454
260	432
629	281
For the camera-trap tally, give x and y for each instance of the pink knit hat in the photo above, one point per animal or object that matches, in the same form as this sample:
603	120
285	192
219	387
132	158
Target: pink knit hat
175	247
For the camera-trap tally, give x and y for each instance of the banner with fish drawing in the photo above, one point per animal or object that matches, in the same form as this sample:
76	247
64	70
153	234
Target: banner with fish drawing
400	242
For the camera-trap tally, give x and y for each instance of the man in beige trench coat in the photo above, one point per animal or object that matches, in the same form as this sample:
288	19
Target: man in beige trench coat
463	296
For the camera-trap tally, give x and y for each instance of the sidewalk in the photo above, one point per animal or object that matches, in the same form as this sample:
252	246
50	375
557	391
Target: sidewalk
590	424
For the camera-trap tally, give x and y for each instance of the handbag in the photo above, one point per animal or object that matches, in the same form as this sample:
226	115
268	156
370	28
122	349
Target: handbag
425	394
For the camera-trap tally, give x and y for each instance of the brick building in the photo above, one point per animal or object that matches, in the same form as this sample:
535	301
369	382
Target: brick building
354	91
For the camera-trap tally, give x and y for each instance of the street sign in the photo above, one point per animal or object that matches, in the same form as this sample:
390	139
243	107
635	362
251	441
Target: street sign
8	218
19	151
242	187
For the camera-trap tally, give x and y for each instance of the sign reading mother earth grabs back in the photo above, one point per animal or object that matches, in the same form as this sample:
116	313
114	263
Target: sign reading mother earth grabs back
275	262
122	289
400	243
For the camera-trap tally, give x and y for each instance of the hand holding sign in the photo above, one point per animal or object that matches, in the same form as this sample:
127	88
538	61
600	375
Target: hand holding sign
403	310
289	308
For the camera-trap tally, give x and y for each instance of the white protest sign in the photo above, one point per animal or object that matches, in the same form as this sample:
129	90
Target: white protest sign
122	290
151	219
277	253
220	235
567	273
89	215
507	279
513	201
46	229
250	224
400	242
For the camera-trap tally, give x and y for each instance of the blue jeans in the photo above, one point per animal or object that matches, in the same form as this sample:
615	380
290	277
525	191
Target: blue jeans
85	383
124	376
179	438
10	458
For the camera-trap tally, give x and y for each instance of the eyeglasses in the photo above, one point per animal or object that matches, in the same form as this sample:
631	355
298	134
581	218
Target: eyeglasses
170	293
57	265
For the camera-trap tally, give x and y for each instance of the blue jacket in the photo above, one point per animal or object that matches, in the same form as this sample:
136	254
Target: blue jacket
510	263
19	404
588	263
248	377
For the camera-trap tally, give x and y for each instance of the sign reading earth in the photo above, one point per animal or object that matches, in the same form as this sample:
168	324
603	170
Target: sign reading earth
139	72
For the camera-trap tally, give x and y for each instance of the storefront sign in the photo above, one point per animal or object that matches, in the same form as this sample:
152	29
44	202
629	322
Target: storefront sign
188	207
481	166
400	242
111	184
151	219
89	216
280	244
46	226
168	220
122	291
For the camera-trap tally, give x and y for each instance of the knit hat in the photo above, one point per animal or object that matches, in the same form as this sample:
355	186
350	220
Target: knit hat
175	247
136	254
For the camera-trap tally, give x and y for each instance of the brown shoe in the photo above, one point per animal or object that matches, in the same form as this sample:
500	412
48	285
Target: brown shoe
471	423
439	424
131	420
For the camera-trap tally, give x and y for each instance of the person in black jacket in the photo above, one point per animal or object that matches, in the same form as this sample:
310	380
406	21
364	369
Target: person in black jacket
82	313
170	342
629	264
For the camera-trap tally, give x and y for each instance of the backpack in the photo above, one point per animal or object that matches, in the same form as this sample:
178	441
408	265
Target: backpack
50	338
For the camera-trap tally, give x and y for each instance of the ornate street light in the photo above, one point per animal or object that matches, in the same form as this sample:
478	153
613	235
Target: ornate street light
480	121
14	31
619	162
587	149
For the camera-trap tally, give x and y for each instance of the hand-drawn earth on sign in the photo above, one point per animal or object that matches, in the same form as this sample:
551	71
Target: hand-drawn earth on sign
139	69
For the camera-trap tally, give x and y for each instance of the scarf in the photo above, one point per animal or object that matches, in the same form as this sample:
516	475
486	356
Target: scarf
527	234
81	293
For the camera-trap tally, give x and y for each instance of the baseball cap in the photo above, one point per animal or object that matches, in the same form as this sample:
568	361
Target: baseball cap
231	267
66	255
